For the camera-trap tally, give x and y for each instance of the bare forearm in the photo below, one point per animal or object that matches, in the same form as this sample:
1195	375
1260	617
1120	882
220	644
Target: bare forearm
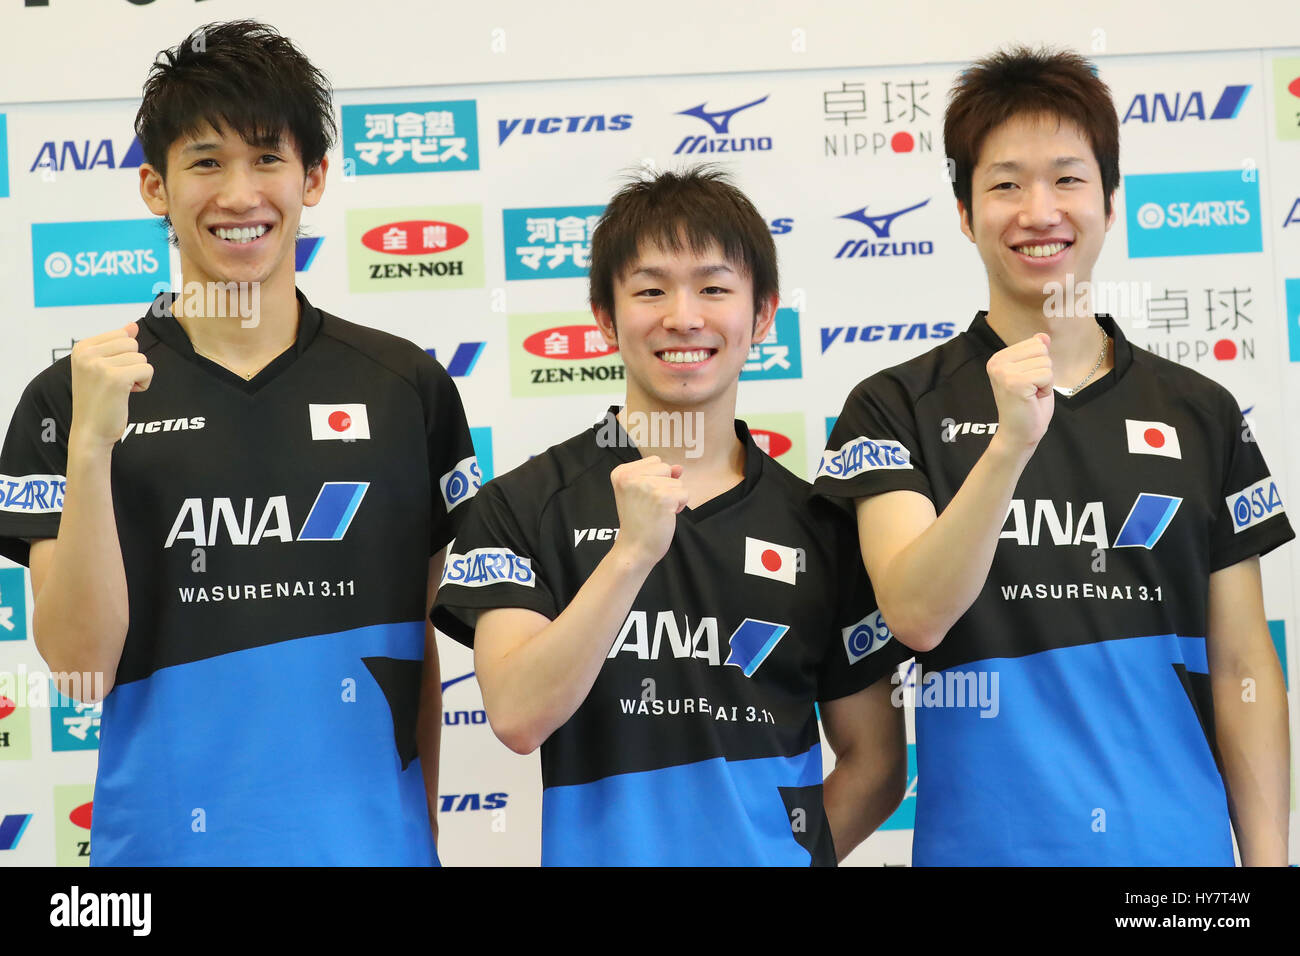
859	796
429	731
934	580
1255	748
81	614
540	683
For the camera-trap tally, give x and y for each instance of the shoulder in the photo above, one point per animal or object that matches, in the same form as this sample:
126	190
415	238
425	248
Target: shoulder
533	484
1185	385
826	518
52	388
912	380
391	353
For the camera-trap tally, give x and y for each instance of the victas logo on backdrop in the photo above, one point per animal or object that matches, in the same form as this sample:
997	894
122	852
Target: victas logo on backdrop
551	125
723	140
99	263
424	137
549	242
881	225
1180	106
1190	214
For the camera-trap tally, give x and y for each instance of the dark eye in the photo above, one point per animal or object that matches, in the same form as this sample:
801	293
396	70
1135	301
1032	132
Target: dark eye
715	290
206	163
649	292
1000	185
271	157
1069	179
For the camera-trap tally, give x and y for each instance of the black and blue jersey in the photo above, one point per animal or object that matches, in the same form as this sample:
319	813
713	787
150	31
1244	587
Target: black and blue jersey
698	743
276	536
1094	740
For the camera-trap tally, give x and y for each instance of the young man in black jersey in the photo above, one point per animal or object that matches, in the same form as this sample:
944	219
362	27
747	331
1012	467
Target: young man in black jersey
1043	507
250	503
661	614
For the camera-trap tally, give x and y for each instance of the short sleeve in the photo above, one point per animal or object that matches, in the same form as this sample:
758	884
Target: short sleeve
862	649
1249	518
873	447
492	564
34	463
453	466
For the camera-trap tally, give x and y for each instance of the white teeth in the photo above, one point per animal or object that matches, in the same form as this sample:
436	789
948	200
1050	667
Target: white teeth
243	234
678	358
1039	252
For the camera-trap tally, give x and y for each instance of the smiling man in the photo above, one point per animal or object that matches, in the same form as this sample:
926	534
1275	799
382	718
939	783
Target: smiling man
254	508
1046	509
661	617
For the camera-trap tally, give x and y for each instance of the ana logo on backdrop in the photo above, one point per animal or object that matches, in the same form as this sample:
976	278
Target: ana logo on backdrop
719	122
1189	214
98	263
463	360
424	137
1180	106
304	252
550	125
76	155
549	242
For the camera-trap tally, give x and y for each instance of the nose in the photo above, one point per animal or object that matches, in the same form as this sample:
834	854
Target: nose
681	312
1040	209
239	190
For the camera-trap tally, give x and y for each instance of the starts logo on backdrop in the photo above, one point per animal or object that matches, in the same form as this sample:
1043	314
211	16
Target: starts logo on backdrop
551	125
1182	105
1293	317
549	242
429	137
4	157
778	355
724	138
415	247
1286	96
108	262
73	808
13	603
1192	214
781	435
561	353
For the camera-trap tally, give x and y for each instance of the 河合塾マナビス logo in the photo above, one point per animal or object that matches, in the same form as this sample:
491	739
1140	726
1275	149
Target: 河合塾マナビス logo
425	137
550	242
779	355
1191	214
107	262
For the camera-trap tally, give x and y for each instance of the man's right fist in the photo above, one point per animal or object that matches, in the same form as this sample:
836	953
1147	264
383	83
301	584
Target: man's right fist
106	369
1022	380
649	495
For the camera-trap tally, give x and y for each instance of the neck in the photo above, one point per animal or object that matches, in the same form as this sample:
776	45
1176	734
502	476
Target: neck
702	438
238	324
1074	331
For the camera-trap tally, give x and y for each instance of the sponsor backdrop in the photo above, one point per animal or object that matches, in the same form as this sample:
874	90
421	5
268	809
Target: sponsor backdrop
460	218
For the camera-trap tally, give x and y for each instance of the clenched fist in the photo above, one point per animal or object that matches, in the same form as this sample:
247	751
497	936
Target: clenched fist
1022	380
649	494
106	369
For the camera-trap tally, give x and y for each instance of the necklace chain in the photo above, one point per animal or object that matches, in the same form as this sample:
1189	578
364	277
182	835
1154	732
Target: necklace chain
1105	340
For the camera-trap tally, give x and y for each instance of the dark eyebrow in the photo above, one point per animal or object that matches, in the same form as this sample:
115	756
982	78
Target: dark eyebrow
201	146
701	272
1011	166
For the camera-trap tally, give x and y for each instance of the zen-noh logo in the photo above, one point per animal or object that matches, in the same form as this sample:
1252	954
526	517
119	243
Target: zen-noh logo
415	248
562	354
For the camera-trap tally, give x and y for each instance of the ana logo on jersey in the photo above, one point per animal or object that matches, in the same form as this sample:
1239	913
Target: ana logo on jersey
484	566
342	422
1152	438
749	645
775	561
1145	524
329	519
866	637
1254	504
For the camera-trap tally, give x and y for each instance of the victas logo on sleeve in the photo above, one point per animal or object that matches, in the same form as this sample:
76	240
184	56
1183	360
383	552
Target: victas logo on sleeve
1152	438
1254	504
342	422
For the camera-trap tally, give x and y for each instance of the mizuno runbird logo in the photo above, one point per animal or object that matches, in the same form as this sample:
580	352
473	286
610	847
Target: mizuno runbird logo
720	120
880	225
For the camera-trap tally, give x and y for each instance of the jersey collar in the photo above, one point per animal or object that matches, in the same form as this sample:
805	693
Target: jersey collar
160	321
624	449
1122	354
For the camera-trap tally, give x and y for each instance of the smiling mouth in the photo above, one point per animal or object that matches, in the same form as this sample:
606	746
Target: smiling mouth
1042	250
241	235
684	356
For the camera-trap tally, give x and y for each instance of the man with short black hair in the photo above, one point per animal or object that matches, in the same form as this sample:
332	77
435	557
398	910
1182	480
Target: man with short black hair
250	508
657	604
1046	509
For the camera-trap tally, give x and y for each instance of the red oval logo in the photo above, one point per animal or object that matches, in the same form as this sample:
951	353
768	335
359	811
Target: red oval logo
81	815
1294	87
415	237
774	443
7	707
568	342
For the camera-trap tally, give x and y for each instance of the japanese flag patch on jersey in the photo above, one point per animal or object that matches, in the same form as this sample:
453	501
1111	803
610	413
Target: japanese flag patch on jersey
1152	438
338	421
768	560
